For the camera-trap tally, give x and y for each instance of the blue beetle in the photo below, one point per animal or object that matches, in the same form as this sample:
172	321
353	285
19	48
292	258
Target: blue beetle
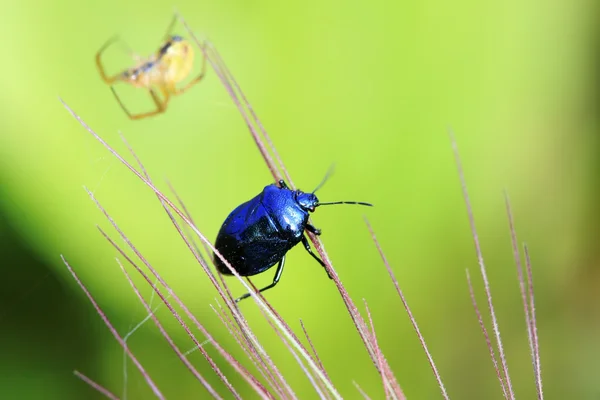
258	233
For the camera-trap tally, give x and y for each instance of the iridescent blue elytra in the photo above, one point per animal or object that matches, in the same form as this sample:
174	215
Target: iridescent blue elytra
258	233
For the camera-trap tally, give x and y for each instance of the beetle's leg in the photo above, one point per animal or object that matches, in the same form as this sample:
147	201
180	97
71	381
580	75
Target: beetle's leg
161	106
307	247
312	229
275	280
282	184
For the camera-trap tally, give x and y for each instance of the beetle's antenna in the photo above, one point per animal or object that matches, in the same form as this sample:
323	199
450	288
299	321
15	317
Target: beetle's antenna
360	203
327	175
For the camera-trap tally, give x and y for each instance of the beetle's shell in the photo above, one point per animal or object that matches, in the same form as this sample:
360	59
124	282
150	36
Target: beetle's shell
258	233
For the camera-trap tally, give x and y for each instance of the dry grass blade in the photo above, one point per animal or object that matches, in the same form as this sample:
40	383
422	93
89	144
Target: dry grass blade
189	216
295	355
169	340
362	392
239	337
225	78
389	393
482	268
232	83
298	359
523	289
311	379
314	350
520	276
101	389
114	332
536	348
490	346
244	106
357	319
295	338
281	324
412	319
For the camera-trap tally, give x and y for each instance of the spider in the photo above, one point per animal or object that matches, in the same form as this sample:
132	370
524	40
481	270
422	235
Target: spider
162	71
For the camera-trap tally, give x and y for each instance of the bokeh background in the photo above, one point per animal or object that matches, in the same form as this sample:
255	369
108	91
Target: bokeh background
370	86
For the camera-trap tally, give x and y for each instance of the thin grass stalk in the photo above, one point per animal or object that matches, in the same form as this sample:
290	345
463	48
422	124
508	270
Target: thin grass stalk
412	319
387	387
248	349
197	254
314	350
126	339
234	84
482	268
281	320
362	392
521	280
538	371
172	344
224	79
297	358
283	323
114	332
99	388
186	229
357	319
488	342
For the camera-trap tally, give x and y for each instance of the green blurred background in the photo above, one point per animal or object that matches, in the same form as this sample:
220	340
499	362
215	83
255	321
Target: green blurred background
370	86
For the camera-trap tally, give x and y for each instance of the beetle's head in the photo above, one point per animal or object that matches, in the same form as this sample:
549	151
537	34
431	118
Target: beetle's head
307	201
